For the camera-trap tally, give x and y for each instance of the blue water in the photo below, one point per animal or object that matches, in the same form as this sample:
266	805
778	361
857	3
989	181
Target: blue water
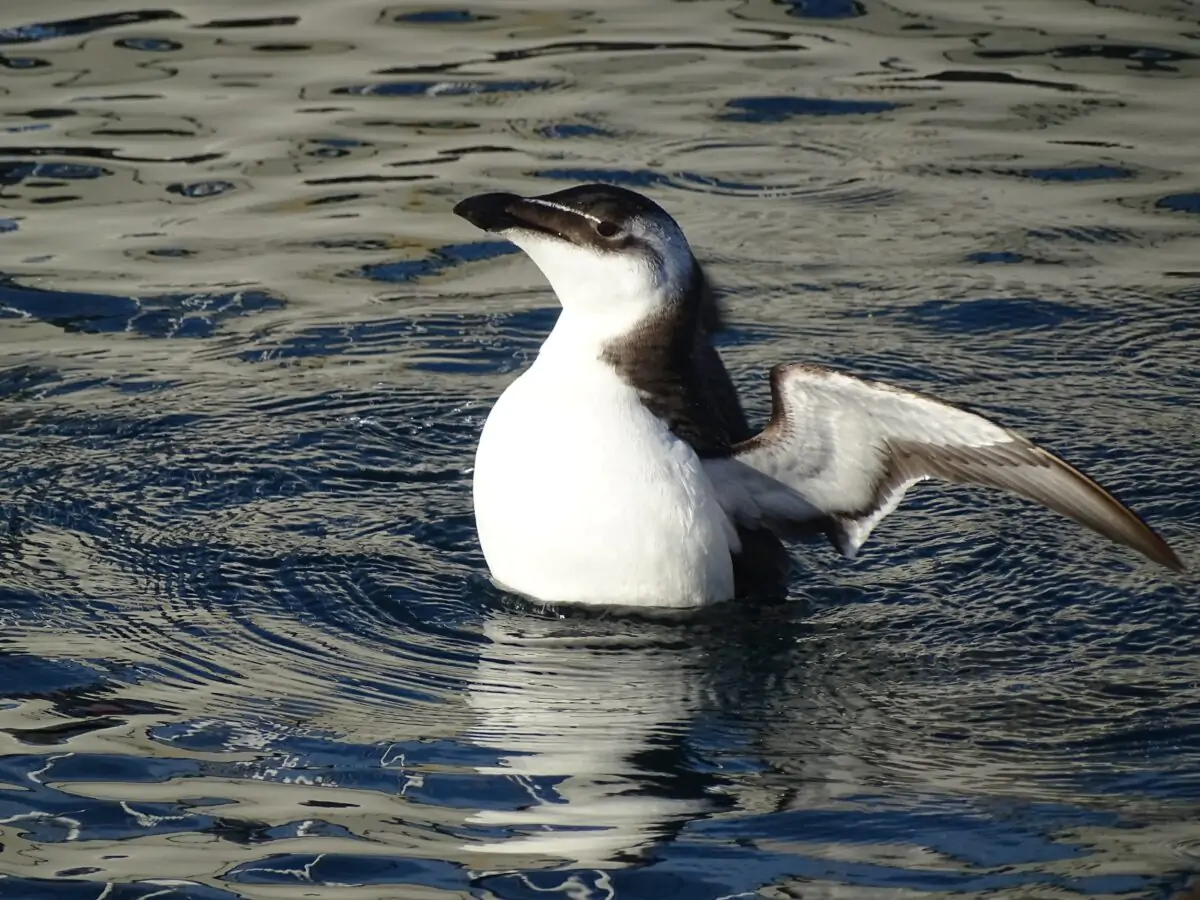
248	647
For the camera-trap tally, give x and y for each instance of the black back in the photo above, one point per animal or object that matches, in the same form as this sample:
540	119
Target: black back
671	361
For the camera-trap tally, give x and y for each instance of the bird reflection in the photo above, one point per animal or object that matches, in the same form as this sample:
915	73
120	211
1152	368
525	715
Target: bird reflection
595	718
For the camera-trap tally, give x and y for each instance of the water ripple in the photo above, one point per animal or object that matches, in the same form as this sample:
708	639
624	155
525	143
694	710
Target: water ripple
248	641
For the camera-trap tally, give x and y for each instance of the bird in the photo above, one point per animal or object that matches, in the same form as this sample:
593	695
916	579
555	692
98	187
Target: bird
619	468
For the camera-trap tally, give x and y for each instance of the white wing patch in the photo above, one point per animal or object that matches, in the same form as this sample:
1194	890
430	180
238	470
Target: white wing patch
845	450
752	498
852	533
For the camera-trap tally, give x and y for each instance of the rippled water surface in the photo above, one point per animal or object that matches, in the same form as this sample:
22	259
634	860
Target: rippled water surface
248	647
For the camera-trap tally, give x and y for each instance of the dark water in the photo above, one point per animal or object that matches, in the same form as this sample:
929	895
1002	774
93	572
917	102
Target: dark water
247	643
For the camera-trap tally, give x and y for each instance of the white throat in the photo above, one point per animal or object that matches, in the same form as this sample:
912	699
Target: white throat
604	295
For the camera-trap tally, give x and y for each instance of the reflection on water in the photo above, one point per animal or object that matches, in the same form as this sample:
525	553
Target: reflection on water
248	646
592	723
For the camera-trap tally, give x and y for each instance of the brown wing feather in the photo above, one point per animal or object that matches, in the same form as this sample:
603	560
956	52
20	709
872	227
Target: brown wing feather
1037	474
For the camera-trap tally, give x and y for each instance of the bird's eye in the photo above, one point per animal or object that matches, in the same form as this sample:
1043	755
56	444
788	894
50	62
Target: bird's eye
607	229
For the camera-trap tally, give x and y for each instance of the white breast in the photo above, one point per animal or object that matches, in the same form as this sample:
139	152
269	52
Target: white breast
583	496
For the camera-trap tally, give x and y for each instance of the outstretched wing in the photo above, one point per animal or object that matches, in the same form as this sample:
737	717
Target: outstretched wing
846	449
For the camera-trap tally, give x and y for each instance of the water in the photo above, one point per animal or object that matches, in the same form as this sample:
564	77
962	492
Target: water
248	646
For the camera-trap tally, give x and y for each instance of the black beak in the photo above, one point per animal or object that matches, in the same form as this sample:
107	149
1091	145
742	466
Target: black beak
501	212
488	211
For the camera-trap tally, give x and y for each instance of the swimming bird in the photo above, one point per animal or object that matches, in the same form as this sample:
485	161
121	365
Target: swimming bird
619	468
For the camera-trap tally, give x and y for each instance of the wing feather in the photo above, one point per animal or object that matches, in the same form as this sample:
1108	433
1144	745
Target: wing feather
846	449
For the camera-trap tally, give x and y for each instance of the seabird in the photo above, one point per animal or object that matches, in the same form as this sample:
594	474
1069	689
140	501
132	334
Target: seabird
619	468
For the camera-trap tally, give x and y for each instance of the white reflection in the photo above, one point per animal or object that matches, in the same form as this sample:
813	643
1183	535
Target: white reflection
572	705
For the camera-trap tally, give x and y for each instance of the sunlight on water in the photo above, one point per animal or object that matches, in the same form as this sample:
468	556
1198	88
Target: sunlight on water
248	644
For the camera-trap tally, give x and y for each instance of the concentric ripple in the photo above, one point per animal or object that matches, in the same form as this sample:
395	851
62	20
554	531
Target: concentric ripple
248	646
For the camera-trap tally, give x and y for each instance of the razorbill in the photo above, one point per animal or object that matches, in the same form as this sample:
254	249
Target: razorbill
619	468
